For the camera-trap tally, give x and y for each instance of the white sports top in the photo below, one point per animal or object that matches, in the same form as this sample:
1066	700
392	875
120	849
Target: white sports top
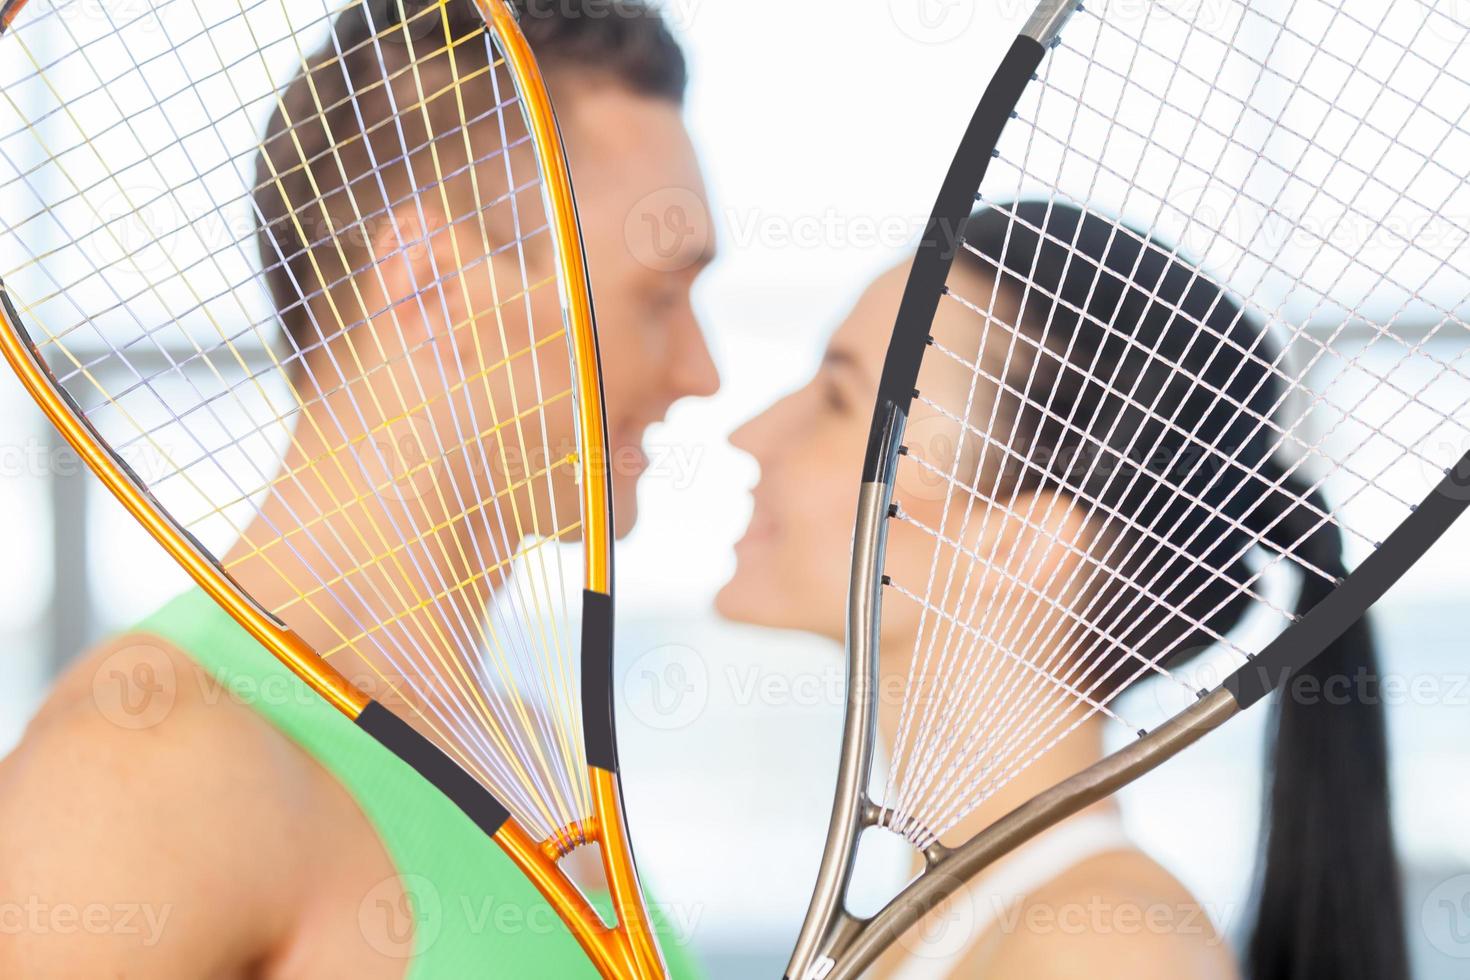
1000	892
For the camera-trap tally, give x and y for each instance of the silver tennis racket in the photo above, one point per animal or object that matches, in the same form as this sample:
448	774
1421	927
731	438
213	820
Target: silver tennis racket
1180	377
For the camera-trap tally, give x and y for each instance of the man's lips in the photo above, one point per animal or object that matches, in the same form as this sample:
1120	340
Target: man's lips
627	451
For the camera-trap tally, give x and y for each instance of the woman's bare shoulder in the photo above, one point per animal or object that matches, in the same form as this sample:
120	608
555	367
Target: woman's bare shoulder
1118	914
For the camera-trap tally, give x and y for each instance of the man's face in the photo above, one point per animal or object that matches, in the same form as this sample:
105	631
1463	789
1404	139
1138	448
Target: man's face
493	327
647	232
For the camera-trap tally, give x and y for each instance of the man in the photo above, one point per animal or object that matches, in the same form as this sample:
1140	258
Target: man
265	838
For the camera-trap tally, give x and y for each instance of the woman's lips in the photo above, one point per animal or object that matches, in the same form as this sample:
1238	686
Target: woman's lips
761	528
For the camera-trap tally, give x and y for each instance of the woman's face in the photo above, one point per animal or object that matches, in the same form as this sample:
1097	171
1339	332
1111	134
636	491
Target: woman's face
792	564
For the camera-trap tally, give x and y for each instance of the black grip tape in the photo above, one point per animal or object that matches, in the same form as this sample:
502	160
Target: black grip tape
942	241
599	727
429	761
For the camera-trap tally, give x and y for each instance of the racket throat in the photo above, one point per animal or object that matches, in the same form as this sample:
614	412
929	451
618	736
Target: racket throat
828	926
572	837
844	931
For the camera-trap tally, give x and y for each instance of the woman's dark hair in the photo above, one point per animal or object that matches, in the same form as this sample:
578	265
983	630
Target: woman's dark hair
1125	337
330	130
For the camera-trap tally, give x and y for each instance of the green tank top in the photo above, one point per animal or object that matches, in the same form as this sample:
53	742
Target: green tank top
471	913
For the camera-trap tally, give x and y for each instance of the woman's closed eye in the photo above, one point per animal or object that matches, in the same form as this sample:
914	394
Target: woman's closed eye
832	394
840	382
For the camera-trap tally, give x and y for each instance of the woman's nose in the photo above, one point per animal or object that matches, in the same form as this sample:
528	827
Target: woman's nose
760	435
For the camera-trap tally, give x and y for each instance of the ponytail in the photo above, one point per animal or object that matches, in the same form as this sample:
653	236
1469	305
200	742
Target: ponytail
1327	887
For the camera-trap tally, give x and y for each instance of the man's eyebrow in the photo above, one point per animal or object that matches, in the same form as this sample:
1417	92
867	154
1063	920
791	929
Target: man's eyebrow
705	258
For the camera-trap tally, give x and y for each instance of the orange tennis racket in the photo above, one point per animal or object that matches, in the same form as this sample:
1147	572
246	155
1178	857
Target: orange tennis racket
303	284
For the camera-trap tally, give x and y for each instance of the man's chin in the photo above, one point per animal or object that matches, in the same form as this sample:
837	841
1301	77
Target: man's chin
625	513
736	602
727	603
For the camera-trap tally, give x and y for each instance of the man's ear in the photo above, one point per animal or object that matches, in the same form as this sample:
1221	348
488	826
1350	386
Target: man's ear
412	254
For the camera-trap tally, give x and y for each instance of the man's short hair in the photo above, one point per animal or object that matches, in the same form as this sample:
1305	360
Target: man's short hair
338	135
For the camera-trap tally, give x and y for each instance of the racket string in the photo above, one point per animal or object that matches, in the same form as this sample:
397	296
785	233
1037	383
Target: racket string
930	728
545	794
464	619
349	442
1274	368
942	767
560	681
482	597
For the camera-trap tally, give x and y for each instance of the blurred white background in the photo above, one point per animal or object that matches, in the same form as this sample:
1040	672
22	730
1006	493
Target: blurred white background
825	128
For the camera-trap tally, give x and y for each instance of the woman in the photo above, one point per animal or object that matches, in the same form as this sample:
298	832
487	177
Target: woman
1319	914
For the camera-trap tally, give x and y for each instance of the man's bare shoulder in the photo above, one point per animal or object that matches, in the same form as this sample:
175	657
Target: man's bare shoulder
157	826
137	786
138	706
